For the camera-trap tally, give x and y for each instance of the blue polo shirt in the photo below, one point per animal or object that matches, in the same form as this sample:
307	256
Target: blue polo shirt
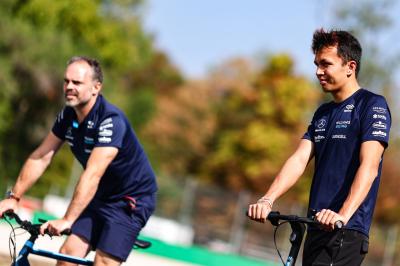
130	173
337	131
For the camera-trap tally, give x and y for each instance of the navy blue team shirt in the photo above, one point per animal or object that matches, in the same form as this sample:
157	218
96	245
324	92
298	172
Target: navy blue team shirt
130	173
337	131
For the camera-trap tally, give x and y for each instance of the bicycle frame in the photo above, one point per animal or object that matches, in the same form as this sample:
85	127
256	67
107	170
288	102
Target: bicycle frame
28	248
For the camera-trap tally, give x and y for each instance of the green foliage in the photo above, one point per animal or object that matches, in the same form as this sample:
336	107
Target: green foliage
38	37
56	178
236	128
259	125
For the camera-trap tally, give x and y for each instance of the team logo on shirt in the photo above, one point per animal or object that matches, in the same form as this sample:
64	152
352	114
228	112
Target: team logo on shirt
105	131
348	108
90	124
378	116
318	138
378	109
379	125
68	134
320	125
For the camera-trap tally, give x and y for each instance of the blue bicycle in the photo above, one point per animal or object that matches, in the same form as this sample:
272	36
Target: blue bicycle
29	248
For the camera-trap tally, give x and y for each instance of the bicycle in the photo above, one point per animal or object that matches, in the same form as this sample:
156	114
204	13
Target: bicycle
29	248
298	225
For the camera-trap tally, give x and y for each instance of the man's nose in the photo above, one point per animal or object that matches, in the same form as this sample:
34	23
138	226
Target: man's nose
319	71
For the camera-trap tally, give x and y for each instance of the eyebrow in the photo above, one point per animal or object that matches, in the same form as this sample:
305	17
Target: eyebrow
323	61
73	81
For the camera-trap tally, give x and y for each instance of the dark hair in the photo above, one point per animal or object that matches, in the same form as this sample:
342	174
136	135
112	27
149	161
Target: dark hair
93	63
348	47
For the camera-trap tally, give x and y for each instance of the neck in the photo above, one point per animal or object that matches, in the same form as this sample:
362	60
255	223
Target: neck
345	92
83	110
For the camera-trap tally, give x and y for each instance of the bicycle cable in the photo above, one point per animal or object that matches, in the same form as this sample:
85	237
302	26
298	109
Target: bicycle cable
276	246
12	242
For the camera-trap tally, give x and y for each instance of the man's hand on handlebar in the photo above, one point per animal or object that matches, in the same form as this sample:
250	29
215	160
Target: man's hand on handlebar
55	227
259	211
329	219
7	205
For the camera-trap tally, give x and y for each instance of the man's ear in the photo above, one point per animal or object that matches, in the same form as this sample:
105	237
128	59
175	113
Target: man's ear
97	88
352	67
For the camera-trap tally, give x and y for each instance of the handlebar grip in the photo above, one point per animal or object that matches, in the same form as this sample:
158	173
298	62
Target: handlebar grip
339	224
12	215
66	232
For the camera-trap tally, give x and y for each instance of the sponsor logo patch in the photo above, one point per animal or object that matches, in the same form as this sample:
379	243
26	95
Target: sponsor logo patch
342	124
379	125
105	126
339	136
378	116
106	133
379	133
378	109
88	140
106	121
104	140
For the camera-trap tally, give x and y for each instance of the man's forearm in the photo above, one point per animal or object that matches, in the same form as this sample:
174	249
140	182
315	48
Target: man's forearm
84	193
291	171
32	169
358	192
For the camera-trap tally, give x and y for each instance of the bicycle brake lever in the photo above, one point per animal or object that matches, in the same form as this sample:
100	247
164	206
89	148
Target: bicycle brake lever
42	220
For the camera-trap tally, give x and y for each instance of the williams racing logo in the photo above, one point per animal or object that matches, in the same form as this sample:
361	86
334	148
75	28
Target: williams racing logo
349	108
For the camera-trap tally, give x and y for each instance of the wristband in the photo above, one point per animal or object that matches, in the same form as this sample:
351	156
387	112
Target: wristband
267	200
10	195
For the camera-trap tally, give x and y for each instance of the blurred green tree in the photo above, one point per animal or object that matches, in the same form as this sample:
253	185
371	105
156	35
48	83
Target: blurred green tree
261	117
235	128
38	37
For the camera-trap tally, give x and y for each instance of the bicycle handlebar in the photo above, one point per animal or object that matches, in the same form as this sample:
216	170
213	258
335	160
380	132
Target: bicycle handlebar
33	229
274	217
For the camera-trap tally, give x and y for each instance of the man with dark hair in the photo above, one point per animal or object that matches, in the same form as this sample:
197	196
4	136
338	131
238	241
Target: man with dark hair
347	137
115	194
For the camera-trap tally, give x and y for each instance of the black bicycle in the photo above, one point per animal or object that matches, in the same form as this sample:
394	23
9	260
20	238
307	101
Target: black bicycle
29	248
298	225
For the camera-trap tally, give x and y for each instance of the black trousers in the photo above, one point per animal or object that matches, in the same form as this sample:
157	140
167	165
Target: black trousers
341	247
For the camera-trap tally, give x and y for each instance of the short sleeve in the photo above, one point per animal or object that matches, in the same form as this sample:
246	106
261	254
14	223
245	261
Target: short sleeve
111	132
60	125
310	131
376	121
